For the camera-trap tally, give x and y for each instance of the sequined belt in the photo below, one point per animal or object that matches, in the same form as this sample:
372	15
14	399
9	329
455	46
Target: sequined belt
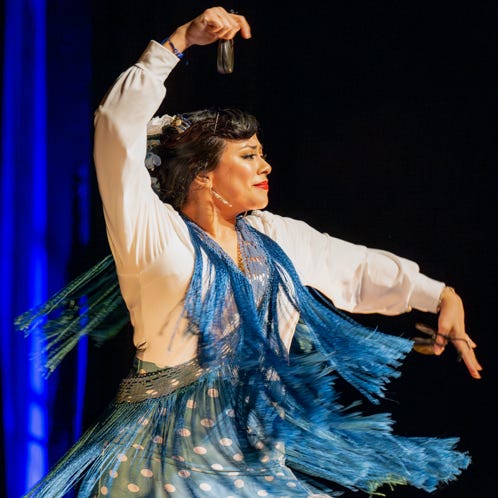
160	383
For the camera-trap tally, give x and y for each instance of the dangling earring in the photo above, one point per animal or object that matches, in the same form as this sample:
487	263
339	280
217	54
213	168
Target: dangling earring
219	197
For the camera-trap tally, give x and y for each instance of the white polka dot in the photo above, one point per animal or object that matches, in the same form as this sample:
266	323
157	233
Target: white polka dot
280	474
269	478
122	457
158	439
174	382
213	393
191	403
138	446
200	450
170	488
259	445
239	483
238	457
163	411
226	441
133	488
262	492
291	484
205	486
217	466
104	490
207	422
264	459
184	432
230	413
184	473
113	474
147	472
178	458
144	421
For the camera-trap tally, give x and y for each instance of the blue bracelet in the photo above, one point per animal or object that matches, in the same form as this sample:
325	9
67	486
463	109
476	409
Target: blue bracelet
175	50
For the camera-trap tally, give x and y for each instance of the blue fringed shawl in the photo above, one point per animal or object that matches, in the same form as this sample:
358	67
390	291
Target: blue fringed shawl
237	316
323	438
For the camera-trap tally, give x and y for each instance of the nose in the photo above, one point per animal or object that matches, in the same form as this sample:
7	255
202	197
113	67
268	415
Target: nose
264	168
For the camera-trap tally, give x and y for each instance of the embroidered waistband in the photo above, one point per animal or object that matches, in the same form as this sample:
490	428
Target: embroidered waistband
141	387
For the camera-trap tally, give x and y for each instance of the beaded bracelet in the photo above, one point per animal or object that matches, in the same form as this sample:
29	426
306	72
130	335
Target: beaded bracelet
175	50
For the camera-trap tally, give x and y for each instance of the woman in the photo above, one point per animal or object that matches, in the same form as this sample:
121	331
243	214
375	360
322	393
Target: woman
238	344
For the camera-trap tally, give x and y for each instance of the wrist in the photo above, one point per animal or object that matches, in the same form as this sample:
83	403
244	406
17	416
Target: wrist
171	46
447	291
176	41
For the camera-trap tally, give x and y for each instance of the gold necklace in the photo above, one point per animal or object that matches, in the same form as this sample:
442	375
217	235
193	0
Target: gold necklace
240	261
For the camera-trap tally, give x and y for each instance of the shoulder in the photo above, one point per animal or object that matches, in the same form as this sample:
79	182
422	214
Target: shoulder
276	226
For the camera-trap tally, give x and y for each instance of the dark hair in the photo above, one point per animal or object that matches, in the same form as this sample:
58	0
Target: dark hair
197	149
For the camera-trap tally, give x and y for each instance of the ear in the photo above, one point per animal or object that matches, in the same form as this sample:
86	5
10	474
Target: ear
203	180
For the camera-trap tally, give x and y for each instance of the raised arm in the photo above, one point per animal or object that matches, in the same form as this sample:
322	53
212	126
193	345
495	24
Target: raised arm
136	220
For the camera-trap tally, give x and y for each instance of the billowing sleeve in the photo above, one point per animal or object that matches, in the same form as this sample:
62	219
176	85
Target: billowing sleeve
356	278
136	220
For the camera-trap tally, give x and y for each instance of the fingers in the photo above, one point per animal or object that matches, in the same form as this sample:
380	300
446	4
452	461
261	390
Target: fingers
451	326
465	348
245	29
470	360
212	25
452	329
226	25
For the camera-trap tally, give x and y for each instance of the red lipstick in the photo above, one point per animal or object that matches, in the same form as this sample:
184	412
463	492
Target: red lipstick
263	185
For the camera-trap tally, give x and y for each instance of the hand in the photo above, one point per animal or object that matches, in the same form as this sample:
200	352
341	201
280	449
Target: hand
451	327
212	25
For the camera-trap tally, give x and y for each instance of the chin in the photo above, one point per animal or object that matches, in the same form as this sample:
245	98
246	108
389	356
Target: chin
252	204
259	205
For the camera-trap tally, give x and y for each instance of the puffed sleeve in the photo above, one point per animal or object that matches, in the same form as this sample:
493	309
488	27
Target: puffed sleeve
356	278
136	220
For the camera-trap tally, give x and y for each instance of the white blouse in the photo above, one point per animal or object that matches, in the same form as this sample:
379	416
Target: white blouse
152	248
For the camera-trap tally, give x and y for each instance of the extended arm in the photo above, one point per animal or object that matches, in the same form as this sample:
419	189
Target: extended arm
359	279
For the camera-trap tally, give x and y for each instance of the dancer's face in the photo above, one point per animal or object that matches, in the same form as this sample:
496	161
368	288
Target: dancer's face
241	176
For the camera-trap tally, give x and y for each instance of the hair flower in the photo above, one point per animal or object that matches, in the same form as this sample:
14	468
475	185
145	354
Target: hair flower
155	125
152	160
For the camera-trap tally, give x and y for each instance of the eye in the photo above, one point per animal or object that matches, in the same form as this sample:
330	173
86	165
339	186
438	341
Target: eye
253	156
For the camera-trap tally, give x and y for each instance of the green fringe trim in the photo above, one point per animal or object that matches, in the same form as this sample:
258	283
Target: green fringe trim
90	305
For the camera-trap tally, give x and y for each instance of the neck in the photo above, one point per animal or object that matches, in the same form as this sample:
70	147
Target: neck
220	227
211	219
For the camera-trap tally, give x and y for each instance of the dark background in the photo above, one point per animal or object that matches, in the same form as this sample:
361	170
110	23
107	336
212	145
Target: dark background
379	119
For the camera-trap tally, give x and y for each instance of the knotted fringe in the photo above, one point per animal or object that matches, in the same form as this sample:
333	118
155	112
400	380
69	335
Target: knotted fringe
90	305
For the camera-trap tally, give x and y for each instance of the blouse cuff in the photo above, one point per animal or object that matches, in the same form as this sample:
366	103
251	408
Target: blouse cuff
426	293
158	59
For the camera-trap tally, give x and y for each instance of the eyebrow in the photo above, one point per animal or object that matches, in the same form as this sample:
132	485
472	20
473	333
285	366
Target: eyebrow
254	147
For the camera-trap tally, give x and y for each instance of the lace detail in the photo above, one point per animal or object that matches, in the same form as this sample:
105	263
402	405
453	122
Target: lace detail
160	383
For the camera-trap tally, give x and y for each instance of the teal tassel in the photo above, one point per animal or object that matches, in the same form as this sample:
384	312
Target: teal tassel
90	305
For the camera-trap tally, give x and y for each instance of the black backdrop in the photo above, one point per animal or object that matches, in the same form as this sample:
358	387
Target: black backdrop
379	119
